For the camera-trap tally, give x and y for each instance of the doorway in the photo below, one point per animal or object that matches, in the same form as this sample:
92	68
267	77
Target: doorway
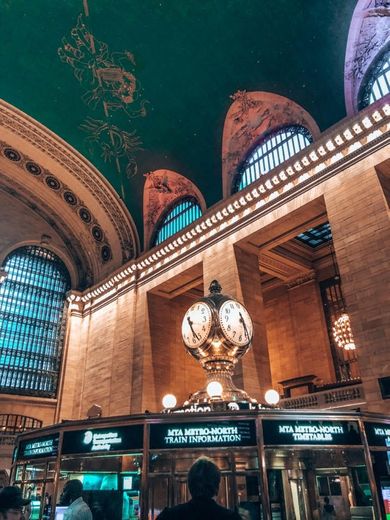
239	488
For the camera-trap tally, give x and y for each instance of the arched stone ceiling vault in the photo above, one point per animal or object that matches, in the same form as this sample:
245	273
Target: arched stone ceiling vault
138	86
43	171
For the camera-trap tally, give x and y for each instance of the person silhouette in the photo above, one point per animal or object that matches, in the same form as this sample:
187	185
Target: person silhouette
328	511
203	482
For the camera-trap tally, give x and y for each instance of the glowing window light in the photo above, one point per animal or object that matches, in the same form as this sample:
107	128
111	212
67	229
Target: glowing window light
273	150
181	215
342	333
32	301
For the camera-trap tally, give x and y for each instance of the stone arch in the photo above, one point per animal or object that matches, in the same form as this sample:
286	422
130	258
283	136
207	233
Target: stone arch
251	116
369	34
161	190
72	199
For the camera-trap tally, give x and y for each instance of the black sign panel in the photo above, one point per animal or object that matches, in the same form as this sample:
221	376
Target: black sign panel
202	434
311	432
103	439
39	447
378	434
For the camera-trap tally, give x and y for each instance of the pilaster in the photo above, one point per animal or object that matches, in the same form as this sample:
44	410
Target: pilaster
359	218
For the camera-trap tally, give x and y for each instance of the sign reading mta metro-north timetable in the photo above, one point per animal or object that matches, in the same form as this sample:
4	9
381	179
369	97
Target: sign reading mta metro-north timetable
280	432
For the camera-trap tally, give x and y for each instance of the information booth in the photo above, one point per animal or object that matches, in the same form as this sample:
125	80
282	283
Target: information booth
275	464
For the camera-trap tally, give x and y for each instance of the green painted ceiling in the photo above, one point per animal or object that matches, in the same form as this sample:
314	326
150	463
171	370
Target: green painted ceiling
190	56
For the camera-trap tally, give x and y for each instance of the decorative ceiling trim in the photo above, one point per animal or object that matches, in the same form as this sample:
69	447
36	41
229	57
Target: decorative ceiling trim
251	116
337	149
83	172
48	180
162	188
368	34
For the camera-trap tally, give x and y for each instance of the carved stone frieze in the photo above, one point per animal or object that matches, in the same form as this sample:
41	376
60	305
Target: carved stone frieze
301	280
252	115
162	188
369	33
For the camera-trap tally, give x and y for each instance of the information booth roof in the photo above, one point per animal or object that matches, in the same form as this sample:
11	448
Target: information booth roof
212	429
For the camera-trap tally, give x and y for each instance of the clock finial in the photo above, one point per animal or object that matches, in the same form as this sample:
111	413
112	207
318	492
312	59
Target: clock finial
215	287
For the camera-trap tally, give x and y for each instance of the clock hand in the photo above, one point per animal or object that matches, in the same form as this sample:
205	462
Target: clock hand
190	323
244	325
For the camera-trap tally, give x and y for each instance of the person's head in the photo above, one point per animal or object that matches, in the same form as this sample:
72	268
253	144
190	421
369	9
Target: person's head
73	490
12	503
204	478
326	500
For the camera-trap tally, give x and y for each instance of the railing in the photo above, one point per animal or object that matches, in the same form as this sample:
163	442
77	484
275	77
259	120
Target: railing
345	397
12	424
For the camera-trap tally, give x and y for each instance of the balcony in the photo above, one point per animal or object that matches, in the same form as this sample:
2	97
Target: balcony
343	394
12	424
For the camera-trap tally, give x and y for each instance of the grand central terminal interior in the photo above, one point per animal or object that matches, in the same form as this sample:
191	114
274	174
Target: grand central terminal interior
195	234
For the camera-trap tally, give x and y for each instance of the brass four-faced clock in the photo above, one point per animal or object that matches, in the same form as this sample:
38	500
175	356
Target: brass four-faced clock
217	327
196	325
235	322
217	331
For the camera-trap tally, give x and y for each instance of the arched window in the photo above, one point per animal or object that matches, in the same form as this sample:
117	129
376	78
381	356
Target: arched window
178	217
377	83
32	301
272	151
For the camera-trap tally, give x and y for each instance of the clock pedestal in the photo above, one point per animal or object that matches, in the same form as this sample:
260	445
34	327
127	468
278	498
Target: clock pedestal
221	372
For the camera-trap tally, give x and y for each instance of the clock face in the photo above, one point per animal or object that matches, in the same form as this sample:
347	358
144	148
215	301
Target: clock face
196	325
236	324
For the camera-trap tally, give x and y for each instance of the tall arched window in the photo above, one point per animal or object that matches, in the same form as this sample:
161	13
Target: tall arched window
377	83
32	301
272	151
178	217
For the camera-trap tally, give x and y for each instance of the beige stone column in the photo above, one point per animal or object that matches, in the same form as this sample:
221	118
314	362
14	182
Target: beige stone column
359	218
143	392
238	273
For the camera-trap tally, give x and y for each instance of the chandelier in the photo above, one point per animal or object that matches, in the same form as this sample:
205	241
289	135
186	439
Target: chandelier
342	331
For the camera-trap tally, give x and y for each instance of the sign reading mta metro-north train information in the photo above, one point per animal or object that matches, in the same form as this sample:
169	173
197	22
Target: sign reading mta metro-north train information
311	432
203	434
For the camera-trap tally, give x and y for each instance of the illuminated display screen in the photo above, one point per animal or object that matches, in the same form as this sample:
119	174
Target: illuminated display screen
202	434
378	434
311	432
103	439
40	447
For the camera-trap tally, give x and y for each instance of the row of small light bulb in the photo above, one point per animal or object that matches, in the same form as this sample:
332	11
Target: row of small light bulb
214	390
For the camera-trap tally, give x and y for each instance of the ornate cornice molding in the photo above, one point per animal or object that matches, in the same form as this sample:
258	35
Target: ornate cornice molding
80	169
301	280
